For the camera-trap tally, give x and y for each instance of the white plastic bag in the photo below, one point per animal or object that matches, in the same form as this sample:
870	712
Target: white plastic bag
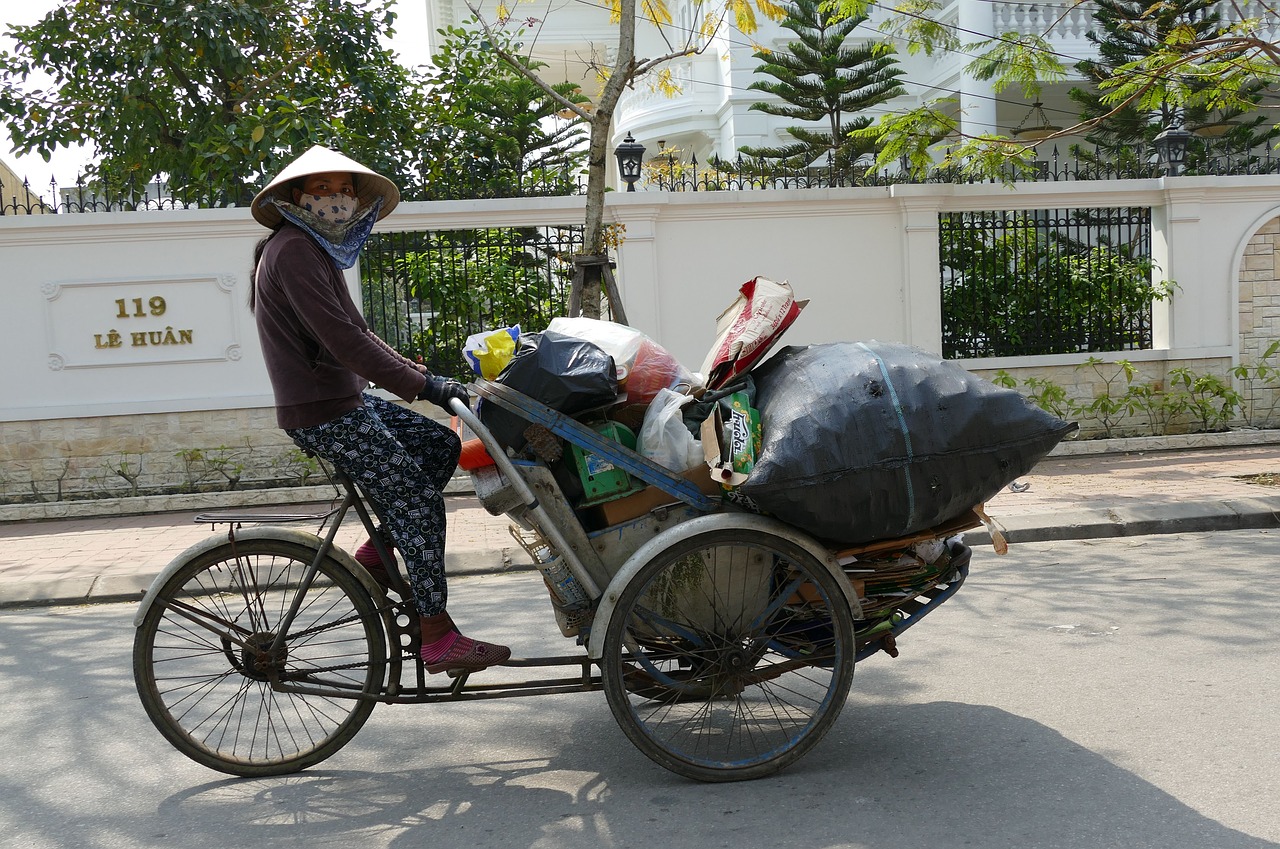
663	437
617	340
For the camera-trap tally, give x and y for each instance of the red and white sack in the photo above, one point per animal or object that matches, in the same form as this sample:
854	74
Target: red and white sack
748	328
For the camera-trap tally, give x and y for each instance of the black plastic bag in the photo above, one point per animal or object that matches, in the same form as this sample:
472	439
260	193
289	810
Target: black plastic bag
866	441
695	412
568	374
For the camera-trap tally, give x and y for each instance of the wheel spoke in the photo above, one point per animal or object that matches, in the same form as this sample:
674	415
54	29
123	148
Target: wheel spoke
214	624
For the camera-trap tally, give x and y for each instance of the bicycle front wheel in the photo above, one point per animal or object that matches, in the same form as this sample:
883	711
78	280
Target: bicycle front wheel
213	685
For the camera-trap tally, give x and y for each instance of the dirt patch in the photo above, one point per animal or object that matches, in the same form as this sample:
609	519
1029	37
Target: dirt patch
1264	479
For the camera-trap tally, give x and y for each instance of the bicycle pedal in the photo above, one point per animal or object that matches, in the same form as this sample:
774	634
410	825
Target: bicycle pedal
458	673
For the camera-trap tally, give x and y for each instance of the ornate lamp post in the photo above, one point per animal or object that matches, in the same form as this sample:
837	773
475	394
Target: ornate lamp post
1171	147
630	156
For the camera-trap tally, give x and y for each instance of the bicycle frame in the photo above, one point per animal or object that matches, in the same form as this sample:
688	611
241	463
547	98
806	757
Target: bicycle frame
393	689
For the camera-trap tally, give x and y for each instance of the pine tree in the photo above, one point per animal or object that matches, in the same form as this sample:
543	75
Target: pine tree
1129	30
823	83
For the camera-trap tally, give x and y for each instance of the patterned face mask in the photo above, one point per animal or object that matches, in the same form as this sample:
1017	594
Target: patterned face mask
341	240
335	209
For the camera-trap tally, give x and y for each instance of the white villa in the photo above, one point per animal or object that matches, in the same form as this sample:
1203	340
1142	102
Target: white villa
712	116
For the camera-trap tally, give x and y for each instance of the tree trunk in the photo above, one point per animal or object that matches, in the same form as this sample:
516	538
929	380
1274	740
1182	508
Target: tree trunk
593	244
593	235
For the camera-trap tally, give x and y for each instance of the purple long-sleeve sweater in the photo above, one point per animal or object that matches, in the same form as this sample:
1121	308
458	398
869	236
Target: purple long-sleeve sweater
319	352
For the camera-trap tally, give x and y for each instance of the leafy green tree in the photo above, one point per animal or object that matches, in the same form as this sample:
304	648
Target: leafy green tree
490	132
1183	69
679	39
1129	31
218	92
494	127
822	81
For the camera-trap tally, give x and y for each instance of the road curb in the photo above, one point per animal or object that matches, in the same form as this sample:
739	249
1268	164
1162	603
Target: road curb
106	589
1138	520
1243	437
1124	521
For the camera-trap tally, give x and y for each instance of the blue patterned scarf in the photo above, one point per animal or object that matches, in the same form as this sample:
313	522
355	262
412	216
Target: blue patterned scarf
340	241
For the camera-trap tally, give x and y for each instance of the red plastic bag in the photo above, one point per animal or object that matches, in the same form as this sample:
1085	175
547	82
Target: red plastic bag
653	370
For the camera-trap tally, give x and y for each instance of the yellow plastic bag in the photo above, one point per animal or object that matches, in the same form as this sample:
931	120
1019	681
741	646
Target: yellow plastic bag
489	352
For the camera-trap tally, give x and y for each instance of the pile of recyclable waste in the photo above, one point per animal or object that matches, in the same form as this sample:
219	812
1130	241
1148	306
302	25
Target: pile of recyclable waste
849	442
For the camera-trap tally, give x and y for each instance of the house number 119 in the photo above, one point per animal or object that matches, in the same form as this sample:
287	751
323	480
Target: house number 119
155	306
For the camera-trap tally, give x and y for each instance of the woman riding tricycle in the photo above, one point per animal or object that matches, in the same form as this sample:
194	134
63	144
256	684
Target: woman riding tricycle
725	641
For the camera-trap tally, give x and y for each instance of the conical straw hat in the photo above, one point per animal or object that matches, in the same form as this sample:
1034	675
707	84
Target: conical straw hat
321	160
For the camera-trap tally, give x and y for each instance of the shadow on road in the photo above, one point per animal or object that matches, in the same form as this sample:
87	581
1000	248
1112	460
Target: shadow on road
1006	781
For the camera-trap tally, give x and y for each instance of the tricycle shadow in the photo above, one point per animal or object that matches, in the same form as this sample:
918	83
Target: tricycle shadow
939	774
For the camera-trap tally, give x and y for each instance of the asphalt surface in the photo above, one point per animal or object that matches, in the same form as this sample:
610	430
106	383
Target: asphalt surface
1091	694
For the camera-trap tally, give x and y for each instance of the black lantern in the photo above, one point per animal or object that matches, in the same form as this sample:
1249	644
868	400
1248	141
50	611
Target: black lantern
630	155
1171	147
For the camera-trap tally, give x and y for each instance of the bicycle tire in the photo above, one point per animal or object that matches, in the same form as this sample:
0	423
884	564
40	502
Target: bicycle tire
207	689
729	655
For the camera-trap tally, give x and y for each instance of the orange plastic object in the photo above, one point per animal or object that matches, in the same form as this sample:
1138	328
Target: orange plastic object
474	455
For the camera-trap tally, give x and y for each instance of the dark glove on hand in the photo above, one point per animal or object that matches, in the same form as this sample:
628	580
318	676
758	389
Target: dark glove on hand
440	391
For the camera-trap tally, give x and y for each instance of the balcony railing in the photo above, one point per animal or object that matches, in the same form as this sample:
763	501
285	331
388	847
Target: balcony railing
1055	21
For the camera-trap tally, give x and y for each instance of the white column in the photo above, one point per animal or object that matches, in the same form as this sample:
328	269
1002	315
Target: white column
1200	313
638	261
921	268
977	98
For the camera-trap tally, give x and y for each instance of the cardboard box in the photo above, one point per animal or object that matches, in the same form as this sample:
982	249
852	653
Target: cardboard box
637	504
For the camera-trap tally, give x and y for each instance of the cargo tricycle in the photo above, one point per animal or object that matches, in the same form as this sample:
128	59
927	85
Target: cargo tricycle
724	641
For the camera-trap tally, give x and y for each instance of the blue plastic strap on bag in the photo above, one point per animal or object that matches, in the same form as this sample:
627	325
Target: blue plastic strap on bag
902	426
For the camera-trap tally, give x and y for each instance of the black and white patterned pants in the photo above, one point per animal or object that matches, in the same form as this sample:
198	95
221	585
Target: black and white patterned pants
402	460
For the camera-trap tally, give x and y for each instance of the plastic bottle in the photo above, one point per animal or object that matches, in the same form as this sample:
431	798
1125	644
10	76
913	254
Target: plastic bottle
565	587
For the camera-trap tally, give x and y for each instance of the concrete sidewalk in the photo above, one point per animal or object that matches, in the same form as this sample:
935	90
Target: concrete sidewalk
73	561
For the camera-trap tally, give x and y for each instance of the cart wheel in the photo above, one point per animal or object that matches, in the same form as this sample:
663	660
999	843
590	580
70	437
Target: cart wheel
729	655
202	664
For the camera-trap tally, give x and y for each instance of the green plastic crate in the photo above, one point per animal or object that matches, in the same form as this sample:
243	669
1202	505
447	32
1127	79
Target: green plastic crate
601	480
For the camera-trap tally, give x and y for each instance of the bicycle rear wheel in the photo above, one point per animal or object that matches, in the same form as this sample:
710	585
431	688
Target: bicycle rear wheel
204	669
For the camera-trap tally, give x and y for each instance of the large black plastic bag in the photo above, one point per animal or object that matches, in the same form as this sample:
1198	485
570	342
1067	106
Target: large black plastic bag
566	373
865	441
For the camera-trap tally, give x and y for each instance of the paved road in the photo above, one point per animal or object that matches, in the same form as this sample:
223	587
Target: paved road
1076	695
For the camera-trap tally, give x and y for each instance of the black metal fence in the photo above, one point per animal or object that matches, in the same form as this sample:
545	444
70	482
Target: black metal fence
671	174
469	183
1059	281
24	199
426	292
464	184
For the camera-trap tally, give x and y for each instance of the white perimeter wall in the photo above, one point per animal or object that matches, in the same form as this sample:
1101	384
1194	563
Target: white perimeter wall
866	258
63	276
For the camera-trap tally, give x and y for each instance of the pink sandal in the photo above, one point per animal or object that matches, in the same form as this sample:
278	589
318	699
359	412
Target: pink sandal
367	556
467	655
